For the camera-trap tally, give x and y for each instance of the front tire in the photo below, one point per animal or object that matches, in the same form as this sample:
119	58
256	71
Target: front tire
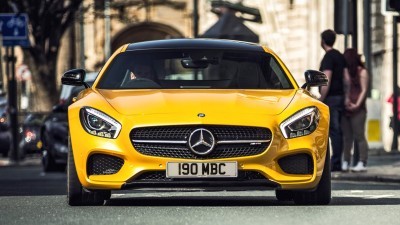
48	162
49	165
5	154
321	195
76	194
284	195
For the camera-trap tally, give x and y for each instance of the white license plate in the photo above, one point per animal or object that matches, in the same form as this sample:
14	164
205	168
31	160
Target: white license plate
201	169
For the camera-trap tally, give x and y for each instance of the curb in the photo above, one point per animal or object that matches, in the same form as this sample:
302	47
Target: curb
367	177
27	162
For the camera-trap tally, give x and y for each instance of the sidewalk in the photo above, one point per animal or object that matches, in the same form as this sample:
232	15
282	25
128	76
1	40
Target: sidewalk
34	160
381	167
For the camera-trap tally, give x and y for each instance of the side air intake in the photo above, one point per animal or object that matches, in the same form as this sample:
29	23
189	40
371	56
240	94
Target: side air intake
101	164
297	164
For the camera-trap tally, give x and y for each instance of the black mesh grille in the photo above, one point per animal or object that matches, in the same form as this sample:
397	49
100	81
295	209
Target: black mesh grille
100	164
182	133
160	176
161	133
297	164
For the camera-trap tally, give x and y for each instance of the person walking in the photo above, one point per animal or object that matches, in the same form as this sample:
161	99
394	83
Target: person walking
353	120
390	100
335	94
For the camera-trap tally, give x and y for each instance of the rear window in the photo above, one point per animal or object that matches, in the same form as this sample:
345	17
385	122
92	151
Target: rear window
194	69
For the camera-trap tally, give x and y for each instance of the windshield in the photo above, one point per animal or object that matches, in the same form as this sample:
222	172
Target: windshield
194	69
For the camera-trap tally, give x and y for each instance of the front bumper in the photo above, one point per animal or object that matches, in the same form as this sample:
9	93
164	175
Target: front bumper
206	185
136	164
243	181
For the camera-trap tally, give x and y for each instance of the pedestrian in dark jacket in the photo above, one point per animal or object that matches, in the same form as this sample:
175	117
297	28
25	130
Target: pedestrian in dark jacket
335	94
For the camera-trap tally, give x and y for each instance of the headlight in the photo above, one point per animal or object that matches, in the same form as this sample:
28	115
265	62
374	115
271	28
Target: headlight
301	123
99	124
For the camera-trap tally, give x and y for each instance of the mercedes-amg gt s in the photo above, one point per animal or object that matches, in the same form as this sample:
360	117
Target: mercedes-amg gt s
197	113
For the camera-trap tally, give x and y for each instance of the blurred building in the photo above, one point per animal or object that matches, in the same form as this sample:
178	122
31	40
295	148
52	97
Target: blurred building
290	27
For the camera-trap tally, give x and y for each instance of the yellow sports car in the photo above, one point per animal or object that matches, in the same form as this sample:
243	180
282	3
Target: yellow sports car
197	113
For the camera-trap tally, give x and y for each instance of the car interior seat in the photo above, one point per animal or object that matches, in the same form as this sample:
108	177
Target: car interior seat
250	76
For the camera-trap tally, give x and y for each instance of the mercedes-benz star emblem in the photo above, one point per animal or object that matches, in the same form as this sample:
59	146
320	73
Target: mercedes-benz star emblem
201	141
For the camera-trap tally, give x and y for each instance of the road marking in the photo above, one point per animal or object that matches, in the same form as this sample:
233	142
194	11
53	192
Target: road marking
370	196
379	196
117	195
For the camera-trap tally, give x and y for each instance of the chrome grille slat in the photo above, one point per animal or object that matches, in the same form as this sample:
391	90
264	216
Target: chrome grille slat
159	141
171	141
242	141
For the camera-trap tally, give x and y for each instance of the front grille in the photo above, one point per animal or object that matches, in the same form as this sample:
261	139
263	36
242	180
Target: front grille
297	164
160	176
101	164
171	134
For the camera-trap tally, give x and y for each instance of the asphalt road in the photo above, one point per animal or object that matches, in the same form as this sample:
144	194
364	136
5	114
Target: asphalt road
28	196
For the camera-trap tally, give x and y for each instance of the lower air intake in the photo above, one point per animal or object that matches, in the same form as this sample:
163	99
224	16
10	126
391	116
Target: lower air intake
159	176
297	164
101	164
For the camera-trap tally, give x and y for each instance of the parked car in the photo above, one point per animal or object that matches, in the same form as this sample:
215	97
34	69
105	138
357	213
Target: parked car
30	142
199	113
54	130
5	133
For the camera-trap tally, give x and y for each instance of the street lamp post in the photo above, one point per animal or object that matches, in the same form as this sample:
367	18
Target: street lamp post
395	87
12	102
1	64
107	27
345	22
195	18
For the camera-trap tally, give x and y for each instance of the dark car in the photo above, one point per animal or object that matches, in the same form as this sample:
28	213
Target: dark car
30	134
5	134
54	130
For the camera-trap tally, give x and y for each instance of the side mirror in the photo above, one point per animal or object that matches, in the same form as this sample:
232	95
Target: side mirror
74	77
314	78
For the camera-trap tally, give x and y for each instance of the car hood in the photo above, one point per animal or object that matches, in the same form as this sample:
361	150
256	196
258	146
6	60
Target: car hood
245	102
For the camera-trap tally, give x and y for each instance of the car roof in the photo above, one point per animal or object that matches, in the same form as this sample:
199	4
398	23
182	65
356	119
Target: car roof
195	44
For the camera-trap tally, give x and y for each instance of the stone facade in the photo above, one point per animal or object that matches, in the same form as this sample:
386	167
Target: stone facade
291	31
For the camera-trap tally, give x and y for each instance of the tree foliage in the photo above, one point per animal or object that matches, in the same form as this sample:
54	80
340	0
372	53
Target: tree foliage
48	21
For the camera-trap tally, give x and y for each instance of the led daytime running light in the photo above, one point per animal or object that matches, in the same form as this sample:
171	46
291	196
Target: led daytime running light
303	113
115	125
